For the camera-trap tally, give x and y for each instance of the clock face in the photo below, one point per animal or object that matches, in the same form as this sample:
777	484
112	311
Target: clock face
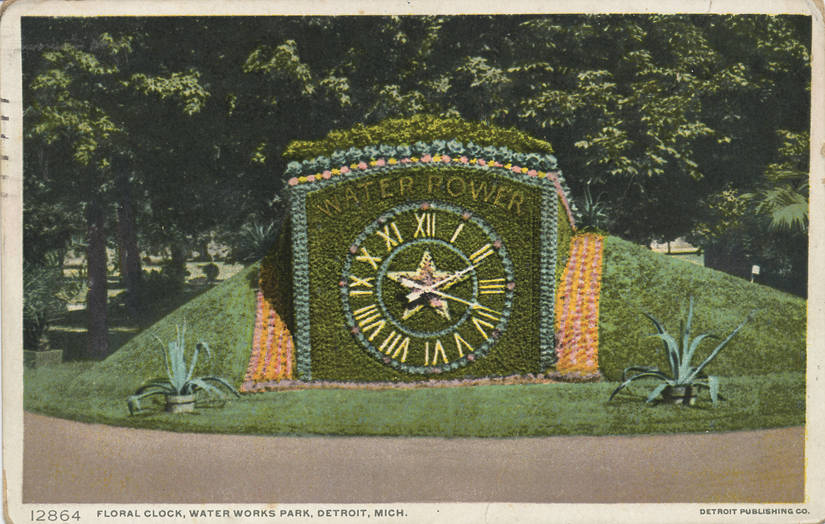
427	287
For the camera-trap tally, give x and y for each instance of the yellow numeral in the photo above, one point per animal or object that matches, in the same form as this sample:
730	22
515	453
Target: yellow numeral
480	325
456	232
459	342
358	281
491	286
366	257
484	311
485	251
391	242
437	350
425	225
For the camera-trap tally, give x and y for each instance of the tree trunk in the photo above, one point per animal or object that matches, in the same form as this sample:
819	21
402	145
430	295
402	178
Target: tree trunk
130	270
97	339
177	264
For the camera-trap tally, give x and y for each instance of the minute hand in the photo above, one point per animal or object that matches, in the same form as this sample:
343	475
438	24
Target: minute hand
420	290
452	277
474	305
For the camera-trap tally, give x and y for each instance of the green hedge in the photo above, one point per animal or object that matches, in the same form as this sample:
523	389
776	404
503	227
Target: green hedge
636	278
425	128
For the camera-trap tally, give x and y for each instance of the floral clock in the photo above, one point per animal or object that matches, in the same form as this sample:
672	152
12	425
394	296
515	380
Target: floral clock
427	287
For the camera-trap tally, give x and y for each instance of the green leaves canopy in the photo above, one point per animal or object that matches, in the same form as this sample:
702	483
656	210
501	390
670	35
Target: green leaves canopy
656	112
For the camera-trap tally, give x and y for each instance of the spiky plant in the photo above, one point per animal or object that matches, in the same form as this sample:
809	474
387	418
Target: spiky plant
679	354
179	379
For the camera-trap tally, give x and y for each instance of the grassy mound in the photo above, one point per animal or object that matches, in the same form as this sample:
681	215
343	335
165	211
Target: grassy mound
776	400
223	317
635	278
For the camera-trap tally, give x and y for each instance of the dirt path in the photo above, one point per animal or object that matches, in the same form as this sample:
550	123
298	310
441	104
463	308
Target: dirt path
68	461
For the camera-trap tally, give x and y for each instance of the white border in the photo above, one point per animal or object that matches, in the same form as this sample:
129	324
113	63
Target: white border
11	239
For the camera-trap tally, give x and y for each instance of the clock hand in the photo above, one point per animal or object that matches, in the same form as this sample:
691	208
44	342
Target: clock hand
408	282
420	290
474	305
452	277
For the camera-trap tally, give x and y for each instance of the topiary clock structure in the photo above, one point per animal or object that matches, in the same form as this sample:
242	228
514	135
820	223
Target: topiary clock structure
417	250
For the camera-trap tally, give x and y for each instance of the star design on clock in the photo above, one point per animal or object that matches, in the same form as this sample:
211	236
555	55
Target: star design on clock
423	282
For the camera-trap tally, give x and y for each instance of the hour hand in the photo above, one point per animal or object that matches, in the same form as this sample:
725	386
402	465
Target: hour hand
410	283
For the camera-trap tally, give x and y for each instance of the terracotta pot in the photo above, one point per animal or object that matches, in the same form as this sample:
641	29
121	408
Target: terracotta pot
680	395
180	403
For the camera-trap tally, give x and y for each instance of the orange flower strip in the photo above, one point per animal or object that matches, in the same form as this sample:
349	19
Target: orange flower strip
270	360
577	308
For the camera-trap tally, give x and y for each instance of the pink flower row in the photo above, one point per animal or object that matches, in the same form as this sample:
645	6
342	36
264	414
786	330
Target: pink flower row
258	387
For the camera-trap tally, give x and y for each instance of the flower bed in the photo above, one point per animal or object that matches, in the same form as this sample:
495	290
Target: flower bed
577	309
272	354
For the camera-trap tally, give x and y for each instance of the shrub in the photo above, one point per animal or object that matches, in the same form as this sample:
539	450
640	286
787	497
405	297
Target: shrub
253	242
211	271
679	354
419	128
46	291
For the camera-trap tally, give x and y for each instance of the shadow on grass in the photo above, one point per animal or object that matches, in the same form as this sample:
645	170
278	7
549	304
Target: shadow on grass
70	333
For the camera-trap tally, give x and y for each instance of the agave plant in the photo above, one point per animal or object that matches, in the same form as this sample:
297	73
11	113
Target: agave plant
179	379
594	213
679	353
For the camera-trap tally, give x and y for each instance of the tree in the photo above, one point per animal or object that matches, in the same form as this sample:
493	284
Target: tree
87	97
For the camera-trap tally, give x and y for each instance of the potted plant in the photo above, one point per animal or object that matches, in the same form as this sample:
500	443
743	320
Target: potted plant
46	291
682	384
179	386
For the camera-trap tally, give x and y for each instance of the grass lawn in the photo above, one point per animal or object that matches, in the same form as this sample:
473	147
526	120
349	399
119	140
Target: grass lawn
752	402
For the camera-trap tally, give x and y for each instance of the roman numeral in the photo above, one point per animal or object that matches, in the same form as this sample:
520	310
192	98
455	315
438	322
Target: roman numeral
485	251
480	325
458	343
491	286
369	319
358	281
391	242
366	257
456	232
375	327
392	342
402	350
426	225
365	311
486	312
366	314
438	350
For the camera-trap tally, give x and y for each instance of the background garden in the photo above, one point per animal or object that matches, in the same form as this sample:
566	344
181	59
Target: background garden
155	147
